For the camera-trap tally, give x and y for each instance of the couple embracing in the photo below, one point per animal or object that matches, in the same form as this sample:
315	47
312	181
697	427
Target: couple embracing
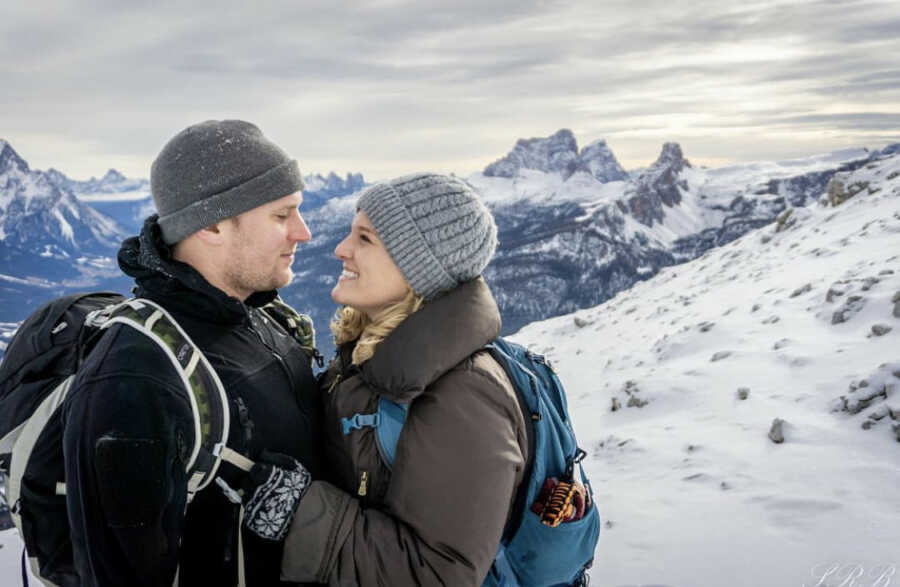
320	505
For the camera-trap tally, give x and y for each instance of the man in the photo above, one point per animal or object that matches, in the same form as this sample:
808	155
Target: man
224	239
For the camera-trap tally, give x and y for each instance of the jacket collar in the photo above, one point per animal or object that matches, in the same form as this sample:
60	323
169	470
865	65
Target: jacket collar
432	341
177	285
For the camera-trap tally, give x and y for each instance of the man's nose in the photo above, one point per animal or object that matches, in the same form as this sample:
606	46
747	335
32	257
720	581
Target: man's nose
299	230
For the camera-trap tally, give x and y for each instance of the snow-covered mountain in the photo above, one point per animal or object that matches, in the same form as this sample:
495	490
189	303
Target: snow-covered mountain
571	240
59	235
36	212
318	189
50	241
125	200
559	154
111	183
675	383
575	229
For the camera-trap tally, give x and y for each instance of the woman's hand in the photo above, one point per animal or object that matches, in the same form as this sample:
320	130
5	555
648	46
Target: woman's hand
272	490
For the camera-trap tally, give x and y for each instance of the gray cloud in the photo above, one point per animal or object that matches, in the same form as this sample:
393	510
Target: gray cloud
390	86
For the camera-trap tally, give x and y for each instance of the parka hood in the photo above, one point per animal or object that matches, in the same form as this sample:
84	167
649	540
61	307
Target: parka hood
433	341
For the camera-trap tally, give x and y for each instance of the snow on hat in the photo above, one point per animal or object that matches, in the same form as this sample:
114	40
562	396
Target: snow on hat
216	170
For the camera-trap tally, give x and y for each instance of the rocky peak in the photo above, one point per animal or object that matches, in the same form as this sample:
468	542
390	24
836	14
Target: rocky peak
598	160
671	157
10	160
889	150
657	186
554	154
57	177
113	176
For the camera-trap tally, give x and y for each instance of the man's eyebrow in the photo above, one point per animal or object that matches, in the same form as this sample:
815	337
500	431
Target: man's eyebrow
366	229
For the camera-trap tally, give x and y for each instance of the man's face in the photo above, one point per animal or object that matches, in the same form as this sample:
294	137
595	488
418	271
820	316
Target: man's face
260	246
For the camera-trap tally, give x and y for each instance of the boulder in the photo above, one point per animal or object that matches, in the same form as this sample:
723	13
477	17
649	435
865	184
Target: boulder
880	329
776	431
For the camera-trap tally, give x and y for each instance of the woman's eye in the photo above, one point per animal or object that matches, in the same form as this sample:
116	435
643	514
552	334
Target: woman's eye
365	238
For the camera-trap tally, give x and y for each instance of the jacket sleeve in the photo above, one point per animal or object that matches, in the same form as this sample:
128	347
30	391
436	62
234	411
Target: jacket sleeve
125	426
458	462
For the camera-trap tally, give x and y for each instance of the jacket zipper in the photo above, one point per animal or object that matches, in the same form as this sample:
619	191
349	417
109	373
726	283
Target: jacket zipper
334	383
278	357
363	483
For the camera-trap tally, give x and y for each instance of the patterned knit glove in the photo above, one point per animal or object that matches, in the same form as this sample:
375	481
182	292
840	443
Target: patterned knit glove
272	491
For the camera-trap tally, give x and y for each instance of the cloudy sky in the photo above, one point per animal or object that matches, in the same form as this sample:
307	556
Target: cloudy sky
390	87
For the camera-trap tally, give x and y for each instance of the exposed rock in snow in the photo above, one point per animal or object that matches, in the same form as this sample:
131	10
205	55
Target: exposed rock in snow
659	185
776	431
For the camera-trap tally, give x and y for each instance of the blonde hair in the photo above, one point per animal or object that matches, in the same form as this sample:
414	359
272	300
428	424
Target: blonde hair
350	324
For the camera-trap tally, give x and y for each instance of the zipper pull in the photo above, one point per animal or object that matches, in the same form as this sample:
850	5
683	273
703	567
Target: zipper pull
334	383
363	484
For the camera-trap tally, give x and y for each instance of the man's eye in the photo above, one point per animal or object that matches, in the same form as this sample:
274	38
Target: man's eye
365	238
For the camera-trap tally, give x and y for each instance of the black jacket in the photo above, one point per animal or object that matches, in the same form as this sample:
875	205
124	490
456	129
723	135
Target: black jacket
128	431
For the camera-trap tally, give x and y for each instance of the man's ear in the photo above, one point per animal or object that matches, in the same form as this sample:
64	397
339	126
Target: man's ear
212	234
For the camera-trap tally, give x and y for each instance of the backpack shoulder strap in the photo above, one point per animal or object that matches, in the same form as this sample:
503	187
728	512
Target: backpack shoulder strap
390	419
299	326
205	391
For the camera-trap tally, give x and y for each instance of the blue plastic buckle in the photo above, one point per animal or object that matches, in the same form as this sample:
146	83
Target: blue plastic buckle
359	421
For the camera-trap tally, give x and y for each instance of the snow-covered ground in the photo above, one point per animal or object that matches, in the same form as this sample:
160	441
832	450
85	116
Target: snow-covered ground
802	320
692	490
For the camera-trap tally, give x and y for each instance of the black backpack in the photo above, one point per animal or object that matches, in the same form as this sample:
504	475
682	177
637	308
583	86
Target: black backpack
37	370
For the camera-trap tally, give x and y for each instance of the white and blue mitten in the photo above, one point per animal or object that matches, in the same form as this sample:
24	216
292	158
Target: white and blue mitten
272	491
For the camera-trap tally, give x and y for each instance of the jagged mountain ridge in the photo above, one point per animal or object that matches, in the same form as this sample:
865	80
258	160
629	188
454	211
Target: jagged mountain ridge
113	182
50	241
36	212
559	153
59	235
569	239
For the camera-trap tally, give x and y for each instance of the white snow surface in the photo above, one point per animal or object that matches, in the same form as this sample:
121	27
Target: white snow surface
691	490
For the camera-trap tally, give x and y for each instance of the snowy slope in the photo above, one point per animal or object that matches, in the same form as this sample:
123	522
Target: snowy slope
693	493
692	490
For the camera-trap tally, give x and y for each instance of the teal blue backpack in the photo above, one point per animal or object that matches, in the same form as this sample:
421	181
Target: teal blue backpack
531	552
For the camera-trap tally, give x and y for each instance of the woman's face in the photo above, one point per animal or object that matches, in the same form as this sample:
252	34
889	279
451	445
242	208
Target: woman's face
370	281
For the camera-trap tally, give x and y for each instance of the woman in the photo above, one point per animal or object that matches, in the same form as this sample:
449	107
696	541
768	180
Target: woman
415	318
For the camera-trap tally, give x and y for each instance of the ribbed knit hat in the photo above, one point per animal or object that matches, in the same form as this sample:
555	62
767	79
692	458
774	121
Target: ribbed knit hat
435	228
216	170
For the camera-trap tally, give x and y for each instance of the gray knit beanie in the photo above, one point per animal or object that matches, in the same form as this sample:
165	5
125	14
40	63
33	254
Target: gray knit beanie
216	170
435	228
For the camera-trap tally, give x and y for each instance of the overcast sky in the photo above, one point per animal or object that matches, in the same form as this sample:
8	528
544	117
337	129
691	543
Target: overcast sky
391	87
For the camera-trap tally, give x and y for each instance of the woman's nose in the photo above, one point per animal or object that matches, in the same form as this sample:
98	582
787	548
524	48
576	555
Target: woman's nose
342	250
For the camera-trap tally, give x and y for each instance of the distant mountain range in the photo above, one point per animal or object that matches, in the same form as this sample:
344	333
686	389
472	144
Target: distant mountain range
575	228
